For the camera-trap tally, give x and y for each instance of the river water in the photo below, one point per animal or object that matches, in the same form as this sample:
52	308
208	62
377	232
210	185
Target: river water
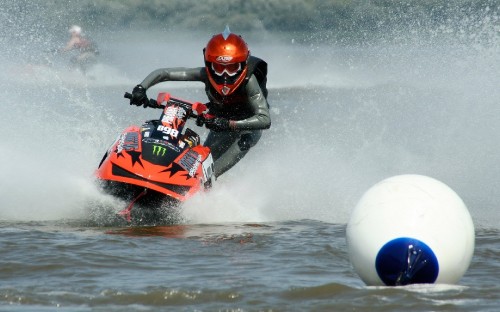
270	236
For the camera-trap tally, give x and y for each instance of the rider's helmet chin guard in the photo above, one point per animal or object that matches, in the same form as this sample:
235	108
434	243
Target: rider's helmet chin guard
226	57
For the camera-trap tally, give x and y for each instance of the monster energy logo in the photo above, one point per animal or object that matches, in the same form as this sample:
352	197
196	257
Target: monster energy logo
159	150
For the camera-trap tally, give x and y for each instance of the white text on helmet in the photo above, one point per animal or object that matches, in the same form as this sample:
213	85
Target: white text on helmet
224	58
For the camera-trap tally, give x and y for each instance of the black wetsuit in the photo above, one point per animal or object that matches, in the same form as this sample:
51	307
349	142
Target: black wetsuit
247	106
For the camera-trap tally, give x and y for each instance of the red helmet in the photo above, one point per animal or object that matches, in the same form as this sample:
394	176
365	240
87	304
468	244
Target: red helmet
226	58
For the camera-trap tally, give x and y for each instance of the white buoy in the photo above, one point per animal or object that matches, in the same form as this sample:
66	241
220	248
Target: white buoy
410	229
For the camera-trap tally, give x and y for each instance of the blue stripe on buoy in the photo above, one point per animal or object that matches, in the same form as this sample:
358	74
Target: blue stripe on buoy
404	261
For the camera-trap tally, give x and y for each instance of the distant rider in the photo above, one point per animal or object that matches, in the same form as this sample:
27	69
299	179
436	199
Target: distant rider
235	84
87	49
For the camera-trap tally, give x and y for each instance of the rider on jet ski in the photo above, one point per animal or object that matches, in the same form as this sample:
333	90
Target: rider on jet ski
86	48
235	84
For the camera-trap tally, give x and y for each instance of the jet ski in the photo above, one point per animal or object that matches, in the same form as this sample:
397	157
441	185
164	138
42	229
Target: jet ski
159	163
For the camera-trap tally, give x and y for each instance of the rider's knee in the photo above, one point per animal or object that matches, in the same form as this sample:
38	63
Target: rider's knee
247	141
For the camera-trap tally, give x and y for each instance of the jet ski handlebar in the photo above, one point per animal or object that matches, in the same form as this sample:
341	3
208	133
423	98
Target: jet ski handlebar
152	102
201	109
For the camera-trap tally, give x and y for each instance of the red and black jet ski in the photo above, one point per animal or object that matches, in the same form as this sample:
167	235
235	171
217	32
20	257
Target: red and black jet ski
158	162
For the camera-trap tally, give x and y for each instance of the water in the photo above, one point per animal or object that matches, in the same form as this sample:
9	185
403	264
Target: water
271	234
283	266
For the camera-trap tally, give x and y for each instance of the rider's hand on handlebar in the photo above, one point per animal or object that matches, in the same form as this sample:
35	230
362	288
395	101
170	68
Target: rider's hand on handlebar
139	96
217	124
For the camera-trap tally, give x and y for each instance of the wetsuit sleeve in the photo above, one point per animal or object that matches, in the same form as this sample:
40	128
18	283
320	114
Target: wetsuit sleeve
173	74
258	103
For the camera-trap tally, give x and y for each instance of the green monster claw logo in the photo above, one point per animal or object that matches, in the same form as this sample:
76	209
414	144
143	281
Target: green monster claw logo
159	150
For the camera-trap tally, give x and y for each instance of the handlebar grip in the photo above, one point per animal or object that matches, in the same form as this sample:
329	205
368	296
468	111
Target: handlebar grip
152	103
200	120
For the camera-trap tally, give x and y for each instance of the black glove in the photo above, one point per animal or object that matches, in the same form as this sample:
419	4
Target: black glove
139	96
200	121
217	124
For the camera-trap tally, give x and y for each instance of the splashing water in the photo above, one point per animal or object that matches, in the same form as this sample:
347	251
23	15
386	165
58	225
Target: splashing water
344	117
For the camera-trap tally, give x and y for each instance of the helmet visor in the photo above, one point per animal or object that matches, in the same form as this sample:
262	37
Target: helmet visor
230	69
